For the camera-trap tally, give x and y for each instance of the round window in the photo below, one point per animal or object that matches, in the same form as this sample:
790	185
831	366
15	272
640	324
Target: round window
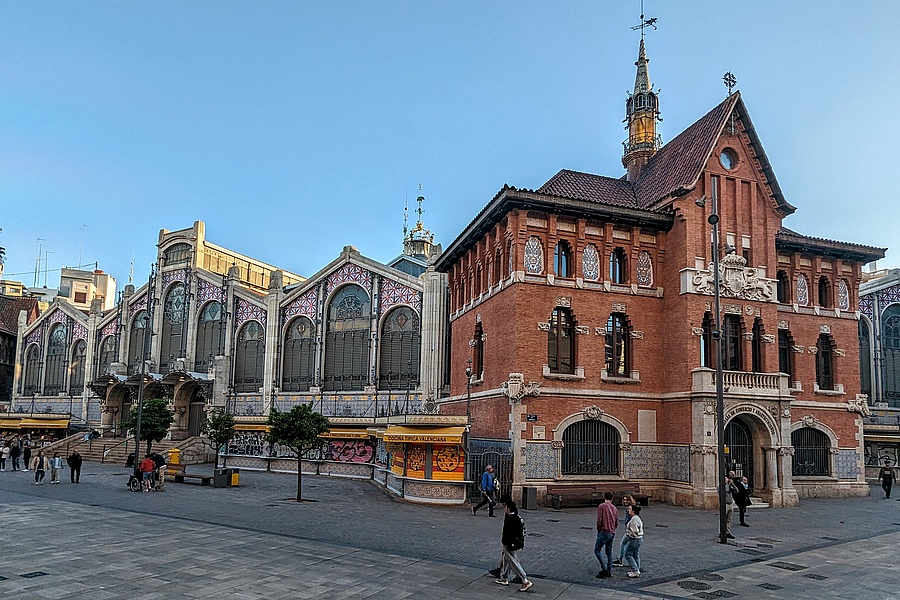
728	159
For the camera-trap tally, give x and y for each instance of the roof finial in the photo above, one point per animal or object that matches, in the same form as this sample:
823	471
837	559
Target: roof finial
730	81
405	214
644	23
131	269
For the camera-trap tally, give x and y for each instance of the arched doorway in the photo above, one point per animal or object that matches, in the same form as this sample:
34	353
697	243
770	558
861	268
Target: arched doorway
195	412
739	443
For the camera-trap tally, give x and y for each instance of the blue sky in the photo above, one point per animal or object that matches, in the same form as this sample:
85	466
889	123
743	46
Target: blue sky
295	128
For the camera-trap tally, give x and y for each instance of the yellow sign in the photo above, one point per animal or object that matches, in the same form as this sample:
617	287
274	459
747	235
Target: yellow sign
346	434
425	435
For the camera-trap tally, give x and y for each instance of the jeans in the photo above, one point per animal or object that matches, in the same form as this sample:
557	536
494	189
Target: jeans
633	553
729	514
509	561
623	547
15	460
39	476
75	474
886	486
486	498
604	543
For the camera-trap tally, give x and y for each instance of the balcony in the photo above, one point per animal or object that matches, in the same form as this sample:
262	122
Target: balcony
742	382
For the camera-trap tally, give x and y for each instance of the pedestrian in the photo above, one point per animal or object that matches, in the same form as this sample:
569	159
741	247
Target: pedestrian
730	490
14	452
886	475
147	467
607	521
26	452
39	466
513	540
56	464
74	461
159	464
742	499
4	454
488	488
634	531
627	500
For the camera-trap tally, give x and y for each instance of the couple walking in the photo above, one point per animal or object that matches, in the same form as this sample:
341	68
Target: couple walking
607	522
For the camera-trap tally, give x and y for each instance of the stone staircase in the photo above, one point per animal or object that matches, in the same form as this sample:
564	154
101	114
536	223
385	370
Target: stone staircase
757	503
109	450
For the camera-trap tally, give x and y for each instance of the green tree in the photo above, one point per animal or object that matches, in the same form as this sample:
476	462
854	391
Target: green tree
156	418
299	430
218	429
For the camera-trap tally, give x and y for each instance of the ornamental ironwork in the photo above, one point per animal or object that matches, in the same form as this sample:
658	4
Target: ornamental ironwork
305	305
394	293
349	273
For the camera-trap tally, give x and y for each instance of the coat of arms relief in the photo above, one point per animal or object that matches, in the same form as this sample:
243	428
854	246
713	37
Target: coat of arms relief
736	280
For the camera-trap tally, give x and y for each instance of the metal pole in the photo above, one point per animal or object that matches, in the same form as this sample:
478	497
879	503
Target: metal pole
717	336
468	474
145	350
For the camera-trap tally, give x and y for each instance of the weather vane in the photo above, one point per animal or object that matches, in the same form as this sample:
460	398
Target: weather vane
730	81
645	22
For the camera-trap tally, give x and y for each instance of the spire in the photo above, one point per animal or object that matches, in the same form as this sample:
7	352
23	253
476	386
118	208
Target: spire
641	114
419	240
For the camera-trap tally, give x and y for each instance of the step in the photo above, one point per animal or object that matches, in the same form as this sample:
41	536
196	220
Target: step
758	503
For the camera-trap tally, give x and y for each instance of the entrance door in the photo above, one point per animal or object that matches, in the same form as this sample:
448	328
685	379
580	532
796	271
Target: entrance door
739	442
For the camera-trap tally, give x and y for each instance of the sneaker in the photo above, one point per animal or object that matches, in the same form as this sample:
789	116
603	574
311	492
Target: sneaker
634	574
501	581
526	586
618	563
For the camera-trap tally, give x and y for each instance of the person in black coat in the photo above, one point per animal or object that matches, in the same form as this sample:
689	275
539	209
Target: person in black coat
742	498
74	461
513	540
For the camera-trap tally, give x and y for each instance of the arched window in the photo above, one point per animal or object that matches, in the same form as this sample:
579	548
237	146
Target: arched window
177	253
824	292
561	342
249	357
57	365
865	360
784	288
298	370
107	354
139	333
478	352
617	266
210	336
707	347
786	354
590	448
399	348
498	267
757	354
347	340
76	368
811	452
562	259
171	344
890	346
825	362
618	346
32	371
733	357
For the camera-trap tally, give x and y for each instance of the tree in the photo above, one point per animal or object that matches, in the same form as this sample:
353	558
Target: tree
219	430
299	430
156	418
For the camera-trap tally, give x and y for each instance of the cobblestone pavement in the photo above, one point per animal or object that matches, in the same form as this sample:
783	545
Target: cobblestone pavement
354	541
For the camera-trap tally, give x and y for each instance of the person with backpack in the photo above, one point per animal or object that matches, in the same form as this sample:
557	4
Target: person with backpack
513	540
488	487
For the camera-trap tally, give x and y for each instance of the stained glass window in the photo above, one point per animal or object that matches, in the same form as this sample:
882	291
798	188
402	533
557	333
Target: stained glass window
210	336
32	371
108	350
843	295
172	339
347	340
802	291
76	368
590	263
139	327
534	256
56	361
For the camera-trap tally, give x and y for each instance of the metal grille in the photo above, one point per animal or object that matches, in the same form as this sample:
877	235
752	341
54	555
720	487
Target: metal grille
248	358
109	348
210	336
172	339
77	368
890	373
32	370
489	452
56	361
136	342
865	360
399	349
299	369
811	452
347	340
739	441
590	448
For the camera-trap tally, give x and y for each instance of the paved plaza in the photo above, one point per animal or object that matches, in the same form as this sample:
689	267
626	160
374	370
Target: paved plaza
99	540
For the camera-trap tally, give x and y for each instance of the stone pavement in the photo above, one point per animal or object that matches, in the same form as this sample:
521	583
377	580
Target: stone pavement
354	541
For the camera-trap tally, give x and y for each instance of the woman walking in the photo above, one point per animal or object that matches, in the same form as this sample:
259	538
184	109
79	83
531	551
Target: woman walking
634	531
627	500
39	466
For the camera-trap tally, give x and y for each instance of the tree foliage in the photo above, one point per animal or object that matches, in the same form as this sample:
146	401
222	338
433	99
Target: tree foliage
299	429
219	430
156	418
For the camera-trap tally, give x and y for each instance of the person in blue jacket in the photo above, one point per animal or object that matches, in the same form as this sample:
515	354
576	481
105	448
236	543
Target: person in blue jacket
488	489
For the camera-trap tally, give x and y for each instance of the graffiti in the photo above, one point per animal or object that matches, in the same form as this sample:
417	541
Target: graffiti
355	451
249	443
877	453
447	459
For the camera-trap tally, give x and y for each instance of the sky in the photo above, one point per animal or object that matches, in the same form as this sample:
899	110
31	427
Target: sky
296	128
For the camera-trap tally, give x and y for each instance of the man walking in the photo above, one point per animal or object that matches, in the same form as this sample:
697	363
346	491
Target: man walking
607	521
26	452
55	465
886	475
487	492
513	540
74	461
14	452
39	466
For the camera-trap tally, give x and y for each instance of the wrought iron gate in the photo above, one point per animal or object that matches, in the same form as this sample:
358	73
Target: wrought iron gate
497	453
739	441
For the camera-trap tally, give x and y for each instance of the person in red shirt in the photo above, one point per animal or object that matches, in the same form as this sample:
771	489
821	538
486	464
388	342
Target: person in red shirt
147	467
607	521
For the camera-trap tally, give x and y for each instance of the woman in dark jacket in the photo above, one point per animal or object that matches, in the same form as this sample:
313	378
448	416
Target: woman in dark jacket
513	540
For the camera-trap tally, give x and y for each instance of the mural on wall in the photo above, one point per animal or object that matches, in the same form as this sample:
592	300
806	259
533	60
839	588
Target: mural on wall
448	463
416	459
877	453
355	451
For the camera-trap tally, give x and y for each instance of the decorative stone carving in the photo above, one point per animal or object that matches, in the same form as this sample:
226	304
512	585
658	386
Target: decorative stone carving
839	352
644	269
732	309
774	410
703	449
592	412
483	337
557	444
736	280
564	301
472	343
590	263
768	338
833	450
583	329
786	451
783	324
747	336
696	331
843	295
824	328
478	317
709	408
802	289
515	389
543	326
812	349
600	330
619	307
860	405
797	349
809	421
626	447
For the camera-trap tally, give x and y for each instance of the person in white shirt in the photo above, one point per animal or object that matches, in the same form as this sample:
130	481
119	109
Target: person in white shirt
56	464
635	532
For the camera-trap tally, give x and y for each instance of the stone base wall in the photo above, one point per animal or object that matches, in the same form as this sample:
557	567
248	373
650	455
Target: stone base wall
831	489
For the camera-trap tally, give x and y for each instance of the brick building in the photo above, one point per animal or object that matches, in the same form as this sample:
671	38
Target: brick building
584	312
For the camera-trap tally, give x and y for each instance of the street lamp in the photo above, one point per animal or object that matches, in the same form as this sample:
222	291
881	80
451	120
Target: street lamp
468	415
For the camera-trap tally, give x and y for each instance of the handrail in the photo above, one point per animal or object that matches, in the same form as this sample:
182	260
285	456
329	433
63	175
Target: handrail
107	450
70	446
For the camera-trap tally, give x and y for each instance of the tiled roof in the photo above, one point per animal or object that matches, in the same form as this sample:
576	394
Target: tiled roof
9	312
678	164
788	237
591	188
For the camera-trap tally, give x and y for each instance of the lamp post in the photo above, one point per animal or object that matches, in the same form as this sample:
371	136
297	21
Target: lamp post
468	415
145	352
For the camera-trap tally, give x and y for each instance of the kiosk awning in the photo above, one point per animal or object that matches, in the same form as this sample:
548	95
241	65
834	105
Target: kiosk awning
45	423
425	435
346	434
